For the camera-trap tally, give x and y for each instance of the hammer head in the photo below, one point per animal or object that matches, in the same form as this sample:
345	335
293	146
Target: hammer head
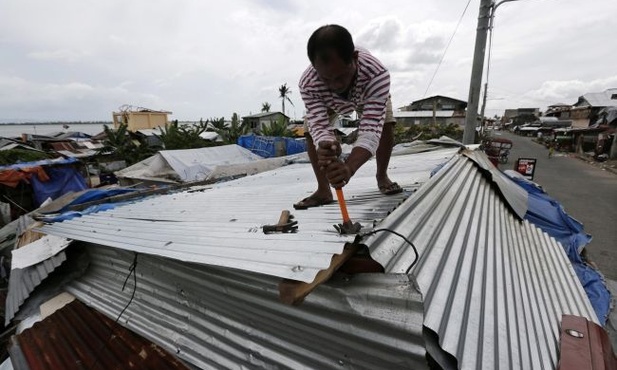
348	228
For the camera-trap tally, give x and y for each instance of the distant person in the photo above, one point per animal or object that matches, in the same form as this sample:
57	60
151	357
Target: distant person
340	80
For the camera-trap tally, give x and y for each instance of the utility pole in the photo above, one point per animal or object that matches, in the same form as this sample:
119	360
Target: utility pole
476	71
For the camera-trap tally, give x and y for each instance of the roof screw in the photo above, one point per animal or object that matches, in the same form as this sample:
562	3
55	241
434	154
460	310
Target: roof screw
574	333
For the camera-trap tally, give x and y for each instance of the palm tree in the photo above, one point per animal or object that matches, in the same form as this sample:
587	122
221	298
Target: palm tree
284	92
265	107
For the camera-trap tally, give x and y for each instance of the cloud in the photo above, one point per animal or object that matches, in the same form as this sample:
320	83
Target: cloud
202	58
569	91
65	55
82	100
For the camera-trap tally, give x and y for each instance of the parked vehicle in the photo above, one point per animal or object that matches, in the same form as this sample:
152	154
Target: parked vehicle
497	149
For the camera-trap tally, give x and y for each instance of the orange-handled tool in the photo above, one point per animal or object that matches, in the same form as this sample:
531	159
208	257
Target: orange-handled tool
343	205
347	227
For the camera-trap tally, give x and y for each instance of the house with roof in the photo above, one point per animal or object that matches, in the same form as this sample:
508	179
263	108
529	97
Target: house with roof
257	122
458	271
559	110
137	118
438	109
520	116
586	110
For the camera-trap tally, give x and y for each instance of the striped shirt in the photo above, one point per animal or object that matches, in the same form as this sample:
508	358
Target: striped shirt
367	96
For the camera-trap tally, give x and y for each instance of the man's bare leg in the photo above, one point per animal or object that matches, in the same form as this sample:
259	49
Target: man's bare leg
384	151
323	192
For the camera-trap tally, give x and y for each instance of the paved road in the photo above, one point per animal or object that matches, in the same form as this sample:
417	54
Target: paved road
588	193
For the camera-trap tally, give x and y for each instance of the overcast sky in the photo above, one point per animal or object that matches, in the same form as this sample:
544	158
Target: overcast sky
82	59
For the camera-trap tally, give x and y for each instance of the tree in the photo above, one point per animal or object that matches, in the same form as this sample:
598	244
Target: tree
216	124
265	107
184	136
284	93
120	144
231	134
277	128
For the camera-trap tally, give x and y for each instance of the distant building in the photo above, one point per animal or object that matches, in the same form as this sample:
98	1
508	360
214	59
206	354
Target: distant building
257	122
559	110
520	114
140	118
586	110
436	109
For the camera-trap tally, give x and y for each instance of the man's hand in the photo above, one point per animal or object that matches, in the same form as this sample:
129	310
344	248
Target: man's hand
338	174
328	153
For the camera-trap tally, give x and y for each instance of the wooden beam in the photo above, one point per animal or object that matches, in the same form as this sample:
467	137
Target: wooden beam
293	292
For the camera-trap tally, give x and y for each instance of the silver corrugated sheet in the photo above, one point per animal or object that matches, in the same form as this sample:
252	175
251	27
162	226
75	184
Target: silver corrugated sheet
494	287
23	282
214	317
222	225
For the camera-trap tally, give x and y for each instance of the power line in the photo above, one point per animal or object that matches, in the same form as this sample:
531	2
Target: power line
447	46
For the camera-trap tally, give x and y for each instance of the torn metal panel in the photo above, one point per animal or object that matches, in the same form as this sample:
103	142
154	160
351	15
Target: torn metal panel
213	317
494	287
222	225
38	251
77	337
23	282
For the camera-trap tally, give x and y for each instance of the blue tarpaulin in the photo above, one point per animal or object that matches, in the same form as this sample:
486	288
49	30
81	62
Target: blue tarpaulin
265	146
62	180
44	162
89	196
96	194
547	214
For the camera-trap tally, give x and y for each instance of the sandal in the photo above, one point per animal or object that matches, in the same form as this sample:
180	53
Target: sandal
391	189
310	202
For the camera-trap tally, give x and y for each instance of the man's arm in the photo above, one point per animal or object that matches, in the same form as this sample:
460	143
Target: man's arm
316	116
339	173
373	112
369	132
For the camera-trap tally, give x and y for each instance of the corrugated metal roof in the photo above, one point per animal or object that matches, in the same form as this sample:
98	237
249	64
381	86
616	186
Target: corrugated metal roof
601	99
423	114
24	281
494	287
224	318
222	225
77	337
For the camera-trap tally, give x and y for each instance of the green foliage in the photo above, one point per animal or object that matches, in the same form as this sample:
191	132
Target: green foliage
184	136
277	129
427	132
12	156
216	124
231	134
265	107
122	147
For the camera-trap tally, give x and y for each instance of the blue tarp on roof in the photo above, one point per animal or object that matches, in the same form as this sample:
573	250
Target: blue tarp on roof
44	162
94	194
548	214
265	146
62	180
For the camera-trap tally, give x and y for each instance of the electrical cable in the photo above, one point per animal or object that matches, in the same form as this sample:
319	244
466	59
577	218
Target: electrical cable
447	46
131	272
417	255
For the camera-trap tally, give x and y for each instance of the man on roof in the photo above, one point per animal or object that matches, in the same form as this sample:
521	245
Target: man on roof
340	80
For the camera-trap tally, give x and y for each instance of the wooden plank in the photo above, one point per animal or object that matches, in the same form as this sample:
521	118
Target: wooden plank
293	292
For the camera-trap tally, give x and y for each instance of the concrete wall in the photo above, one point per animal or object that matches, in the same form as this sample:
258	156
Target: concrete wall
140	120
